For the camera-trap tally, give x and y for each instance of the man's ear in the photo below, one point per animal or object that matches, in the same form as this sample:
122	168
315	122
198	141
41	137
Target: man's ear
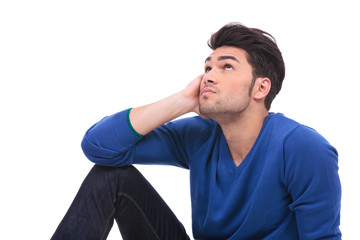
261	88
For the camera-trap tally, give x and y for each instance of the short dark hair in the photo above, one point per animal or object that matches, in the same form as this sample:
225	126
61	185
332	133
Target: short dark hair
262	51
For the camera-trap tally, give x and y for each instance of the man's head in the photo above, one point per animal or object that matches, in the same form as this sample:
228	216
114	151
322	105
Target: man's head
262	52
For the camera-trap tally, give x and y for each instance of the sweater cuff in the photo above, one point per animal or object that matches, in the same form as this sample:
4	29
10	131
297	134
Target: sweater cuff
130	126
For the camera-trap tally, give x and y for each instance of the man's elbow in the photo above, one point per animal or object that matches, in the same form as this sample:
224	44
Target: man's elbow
100	155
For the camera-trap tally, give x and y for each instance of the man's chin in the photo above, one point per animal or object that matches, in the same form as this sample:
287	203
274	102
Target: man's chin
206	112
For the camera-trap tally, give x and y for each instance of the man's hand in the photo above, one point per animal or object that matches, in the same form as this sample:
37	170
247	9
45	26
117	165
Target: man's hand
191	92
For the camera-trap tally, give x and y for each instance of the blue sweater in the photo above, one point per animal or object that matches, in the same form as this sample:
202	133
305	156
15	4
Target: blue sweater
287	187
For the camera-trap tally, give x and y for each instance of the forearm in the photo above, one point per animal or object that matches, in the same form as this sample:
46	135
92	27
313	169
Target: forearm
146	118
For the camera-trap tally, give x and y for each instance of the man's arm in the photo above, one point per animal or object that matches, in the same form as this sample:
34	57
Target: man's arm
311	177
146	118
113	141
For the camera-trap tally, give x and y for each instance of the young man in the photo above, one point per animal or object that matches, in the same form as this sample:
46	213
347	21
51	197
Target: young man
253	174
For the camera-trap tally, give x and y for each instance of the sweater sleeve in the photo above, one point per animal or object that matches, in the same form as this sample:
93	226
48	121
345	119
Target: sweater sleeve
311	177
113	142
107	141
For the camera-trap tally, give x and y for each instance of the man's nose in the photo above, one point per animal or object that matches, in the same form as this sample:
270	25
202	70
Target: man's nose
209	77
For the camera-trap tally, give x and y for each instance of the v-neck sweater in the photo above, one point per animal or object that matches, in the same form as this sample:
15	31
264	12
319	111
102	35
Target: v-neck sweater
287	187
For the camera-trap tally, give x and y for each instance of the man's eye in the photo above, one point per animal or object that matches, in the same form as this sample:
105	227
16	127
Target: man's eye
228	67
207	69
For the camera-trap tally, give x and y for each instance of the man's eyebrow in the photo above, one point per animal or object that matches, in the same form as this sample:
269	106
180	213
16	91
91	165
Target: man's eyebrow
227	57
223	58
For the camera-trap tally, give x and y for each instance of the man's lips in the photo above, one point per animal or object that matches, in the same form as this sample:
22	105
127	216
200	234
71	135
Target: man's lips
207	90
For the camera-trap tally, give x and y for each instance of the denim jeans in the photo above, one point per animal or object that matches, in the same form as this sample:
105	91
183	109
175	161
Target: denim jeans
123	194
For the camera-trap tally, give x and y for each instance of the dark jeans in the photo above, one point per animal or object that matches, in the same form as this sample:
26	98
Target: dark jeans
122	194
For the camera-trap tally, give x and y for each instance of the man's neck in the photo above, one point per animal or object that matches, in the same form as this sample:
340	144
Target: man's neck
241	133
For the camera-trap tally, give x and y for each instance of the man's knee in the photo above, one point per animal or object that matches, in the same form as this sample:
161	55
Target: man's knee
114	182
105	177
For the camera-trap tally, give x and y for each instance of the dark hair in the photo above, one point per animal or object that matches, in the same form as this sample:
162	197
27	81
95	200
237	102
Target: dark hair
262	53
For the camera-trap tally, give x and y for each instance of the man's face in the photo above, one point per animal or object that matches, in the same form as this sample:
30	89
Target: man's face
224	90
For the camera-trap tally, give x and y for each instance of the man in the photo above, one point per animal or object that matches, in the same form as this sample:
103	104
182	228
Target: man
253	174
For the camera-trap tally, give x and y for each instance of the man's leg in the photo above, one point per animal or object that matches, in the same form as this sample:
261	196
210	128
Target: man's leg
125	195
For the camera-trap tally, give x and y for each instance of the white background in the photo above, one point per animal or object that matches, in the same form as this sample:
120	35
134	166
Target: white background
66	64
